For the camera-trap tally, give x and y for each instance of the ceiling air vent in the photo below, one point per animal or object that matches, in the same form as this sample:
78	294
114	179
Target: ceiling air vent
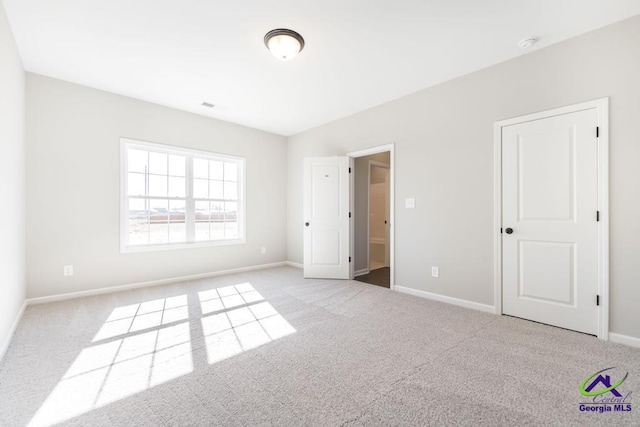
208	105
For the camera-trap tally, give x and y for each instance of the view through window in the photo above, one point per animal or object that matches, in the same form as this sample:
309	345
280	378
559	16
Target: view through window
173	196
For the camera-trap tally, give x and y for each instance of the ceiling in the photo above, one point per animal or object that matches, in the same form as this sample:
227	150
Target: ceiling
358	53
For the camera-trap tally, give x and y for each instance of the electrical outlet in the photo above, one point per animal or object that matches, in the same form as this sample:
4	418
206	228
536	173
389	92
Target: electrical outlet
264	250
410	203
435	271
68	270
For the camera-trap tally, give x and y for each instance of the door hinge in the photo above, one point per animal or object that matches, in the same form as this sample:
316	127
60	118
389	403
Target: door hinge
349	170
597	299
349	259
597	131
597	215
349	214
500	230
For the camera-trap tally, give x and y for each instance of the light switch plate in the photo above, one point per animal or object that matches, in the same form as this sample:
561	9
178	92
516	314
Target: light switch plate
435	271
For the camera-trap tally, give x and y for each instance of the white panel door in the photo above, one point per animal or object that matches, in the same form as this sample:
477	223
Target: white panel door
550	234
326	217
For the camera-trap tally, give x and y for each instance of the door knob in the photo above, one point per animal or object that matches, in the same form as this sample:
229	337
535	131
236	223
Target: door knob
509	230
306	224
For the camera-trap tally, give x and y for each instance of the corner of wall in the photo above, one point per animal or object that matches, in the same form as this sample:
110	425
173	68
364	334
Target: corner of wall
12	185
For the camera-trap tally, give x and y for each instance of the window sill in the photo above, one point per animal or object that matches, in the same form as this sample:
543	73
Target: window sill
178	246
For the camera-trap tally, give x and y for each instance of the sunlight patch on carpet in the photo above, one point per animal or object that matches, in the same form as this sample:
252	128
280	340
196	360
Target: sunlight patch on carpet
131	363
242	320
143	345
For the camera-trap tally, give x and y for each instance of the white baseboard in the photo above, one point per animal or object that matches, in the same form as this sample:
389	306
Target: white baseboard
294	264
101	291
624	339
361	272
449	300
4	346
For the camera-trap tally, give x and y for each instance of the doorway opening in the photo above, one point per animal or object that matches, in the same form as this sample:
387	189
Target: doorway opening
372	221
329	217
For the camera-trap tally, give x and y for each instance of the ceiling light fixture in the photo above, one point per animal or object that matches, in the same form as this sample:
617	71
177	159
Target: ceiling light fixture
527	43
284	44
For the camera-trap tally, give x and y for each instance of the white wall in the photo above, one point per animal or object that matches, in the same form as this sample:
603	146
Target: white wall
12	178
361	205
73	188
444	149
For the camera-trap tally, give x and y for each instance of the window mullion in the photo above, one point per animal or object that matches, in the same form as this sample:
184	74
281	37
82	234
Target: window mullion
190	205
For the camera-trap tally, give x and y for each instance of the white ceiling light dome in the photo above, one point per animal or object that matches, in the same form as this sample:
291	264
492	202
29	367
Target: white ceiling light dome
284	44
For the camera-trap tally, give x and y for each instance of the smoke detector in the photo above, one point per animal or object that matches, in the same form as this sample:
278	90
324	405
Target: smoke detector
527	43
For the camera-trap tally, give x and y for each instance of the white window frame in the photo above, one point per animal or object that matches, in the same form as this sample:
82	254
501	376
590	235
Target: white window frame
126	143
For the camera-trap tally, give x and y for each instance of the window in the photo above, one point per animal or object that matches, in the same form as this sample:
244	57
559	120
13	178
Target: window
175	197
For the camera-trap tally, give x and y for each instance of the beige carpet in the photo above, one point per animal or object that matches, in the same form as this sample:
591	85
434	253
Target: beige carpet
270	348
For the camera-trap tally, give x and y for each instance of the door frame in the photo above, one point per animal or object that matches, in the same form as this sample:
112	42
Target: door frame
380	165
366	152
602	108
